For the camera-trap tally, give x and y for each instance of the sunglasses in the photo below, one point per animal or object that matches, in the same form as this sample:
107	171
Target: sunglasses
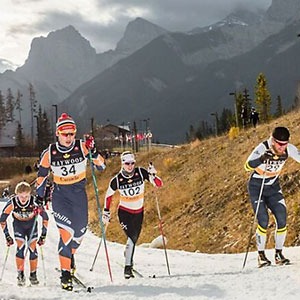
129	163
280	143
67	134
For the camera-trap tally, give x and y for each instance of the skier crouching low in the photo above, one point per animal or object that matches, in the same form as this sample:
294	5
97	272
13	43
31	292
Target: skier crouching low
25	209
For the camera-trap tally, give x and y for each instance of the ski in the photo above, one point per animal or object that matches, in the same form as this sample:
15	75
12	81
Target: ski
135	271
85	288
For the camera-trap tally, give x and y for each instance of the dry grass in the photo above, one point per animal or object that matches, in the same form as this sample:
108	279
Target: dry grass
204	201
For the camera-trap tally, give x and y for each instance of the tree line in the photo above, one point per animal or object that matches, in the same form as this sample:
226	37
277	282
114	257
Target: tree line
16	110
227	119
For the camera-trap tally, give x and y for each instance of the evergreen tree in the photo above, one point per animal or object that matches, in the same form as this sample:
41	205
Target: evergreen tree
33	106
2	111
226	120
262	98
204	130
191	134
44	133
296	103
19	137
239	103
9	107
279	110
18	105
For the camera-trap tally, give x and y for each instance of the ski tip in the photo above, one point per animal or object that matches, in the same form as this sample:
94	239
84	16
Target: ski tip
89	289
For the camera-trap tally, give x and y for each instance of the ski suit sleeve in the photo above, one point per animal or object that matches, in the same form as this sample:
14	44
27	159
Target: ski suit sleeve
254	160
43	173
8	208
293	152
112	188
154	179
45	219
98	160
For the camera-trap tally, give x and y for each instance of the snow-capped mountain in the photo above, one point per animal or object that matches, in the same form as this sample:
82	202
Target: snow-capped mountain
62	61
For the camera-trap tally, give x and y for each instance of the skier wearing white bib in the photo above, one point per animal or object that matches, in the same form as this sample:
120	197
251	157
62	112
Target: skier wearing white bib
266	162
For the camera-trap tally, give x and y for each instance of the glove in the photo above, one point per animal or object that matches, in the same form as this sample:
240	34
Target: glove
42	240
9	240
151	170
90	143
106	216
39	200
268	155
38	210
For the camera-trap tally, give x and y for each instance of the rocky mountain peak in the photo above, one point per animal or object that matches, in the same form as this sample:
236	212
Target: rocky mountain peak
138	33
60	47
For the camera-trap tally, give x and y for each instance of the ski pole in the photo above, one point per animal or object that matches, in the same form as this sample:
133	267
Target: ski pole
97	252
100	214
4	263
31	234
43	263
161	230
256	213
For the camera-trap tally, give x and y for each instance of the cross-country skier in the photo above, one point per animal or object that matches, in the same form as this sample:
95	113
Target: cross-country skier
266	162
25	209
67	160
130	184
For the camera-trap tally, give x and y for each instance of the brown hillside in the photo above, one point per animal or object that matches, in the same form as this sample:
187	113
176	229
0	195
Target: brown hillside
204	202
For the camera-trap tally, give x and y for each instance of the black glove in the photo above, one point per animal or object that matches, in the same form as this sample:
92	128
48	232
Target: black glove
42	240
268	155
9	240
39	200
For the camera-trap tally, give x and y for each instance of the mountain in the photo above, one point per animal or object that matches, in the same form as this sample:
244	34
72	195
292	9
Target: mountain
179	79
62	61
6	64
150	71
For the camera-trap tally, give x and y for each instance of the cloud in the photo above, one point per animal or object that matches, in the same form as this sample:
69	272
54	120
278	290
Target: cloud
103	22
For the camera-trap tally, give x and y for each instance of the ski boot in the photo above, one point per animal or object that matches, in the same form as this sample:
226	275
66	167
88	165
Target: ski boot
33	279
280	259
21	278
66	281
262	260
128	272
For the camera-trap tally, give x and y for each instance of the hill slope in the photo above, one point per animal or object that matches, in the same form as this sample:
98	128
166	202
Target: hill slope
204	201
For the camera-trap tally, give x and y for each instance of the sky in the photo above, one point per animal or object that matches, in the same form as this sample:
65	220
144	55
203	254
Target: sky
103	22
195	276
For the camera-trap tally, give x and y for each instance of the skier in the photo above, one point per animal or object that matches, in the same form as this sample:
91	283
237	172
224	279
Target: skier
25	209
254	117
266	162
130	184
67	160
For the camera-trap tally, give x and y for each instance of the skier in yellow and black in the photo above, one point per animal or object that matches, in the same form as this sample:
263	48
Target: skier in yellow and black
67	160
266	162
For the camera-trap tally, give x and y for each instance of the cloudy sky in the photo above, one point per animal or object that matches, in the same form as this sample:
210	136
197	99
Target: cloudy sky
103	22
